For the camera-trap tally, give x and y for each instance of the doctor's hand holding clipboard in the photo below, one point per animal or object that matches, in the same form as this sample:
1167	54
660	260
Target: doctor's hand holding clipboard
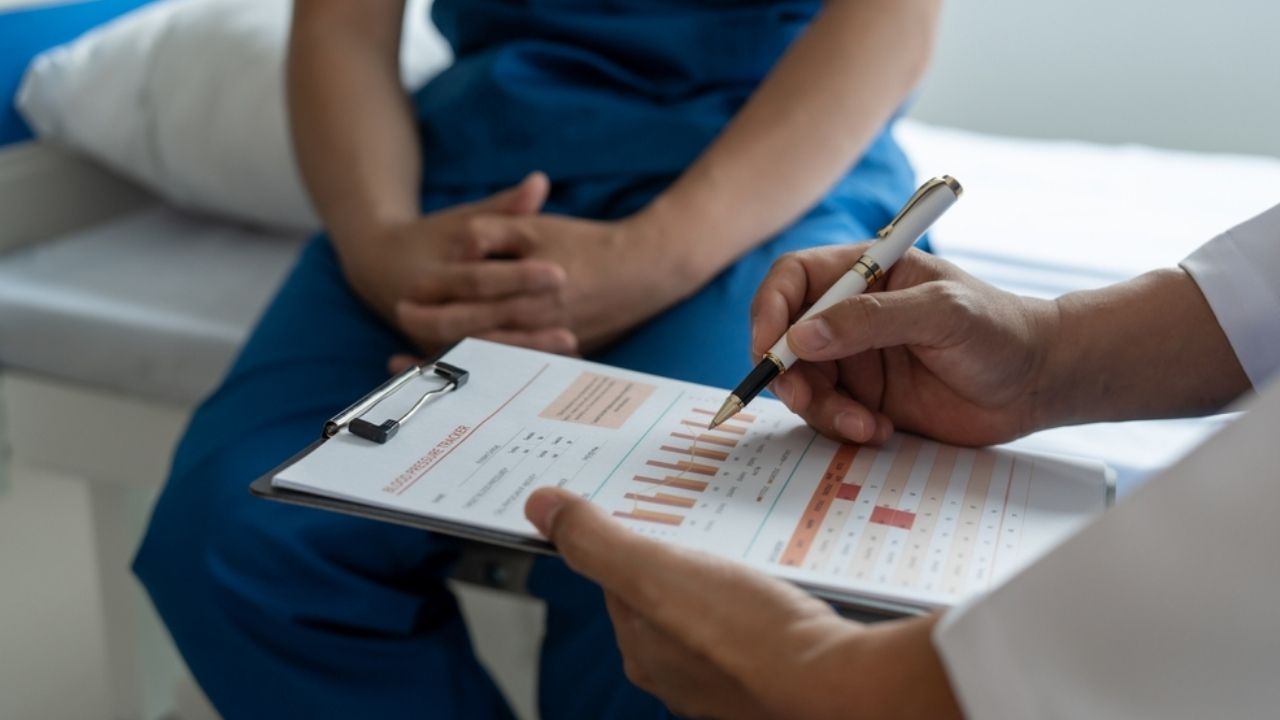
940	353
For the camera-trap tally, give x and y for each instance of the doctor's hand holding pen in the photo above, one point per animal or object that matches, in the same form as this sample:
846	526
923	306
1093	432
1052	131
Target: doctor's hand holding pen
940	353
933	351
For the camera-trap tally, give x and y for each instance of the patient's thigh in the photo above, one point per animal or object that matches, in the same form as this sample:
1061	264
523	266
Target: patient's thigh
707	338
339	616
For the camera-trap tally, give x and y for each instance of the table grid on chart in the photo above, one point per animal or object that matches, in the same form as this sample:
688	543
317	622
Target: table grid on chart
918	515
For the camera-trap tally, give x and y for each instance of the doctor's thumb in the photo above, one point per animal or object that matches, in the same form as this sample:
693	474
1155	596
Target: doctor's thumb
542	507
586	537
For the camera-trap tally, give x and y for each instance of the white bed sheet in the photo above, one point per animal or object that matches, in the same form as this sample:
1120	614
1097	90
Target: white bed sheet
153	304
1059	215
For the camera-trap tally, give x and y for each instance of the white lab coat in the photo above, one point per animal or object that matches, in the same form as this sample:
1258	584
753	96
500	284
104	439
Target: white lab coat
1168	606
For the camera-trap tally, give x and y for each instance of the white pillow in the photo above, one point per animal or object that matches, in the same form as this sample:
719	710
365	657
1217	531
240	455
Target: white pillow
187	98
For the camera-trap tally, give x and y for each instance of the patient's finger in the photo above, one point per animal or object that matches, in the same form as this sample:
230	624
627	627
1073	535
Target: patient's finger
431	326
524	198
560	341
401	362
487	280
495	236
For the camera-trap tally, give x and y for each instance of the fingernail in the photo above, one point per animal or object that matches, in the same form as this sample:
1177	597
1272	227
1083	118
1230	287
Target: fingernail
849	425
811	335
541	509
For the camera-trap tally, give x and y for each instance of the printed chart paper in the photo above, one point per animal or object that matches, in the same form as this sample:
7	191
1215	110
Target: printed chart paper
914	521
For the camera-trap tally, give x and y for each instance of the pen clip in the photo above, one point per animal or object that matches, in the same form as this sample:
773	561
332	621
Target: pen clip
917	196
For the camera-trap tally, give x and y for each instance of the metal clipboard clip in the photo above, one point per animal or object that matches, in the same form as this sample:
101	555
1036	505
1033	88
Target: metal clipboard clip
352	418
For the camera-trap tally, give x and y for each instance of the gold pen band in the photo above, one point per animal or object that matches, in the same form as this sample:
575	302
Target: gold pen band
869	269
774	359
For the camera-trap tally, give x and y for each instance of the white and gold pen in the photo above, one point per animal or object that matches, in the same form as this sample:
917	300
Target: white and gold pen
921	211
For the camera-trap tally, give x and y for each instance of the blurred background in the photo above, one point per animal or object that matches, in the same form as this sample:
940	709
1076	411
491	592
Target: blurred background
1172	74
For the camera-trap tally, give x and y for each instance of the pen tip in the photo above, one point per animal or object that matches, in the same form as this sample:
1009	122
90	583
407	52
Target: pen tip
731	406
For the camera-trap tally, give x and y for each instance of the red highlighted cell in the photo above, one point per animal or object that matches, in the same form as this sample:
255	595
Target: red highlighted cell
893	518
848	491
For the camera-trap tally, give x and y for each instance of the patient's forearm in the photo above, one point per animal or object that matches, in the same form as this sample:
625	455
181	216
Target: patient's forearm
355	138
813	116
1147	348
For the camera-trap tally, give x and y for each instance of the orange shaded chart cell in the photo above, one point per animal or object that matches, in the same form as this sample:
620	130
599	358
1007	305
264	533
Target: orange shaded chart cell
966	532
675	482
893	518
663	499
707	453
598	400
926	519
899	473
816	511
683	466
706	438
651	516
742	417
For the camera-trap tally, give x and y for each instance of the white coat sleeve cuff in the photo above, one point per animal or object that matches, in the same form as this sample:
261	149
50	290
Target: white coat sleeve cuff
972	646
1239	274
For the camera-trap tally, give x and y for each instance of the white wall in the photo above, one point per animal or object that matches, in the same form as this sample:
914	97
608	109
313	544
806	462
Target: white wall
1174	73
1193	74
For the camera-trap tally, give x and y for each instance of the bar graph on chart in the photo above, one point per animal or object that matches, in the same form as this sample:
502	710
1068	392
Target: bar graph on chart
687	460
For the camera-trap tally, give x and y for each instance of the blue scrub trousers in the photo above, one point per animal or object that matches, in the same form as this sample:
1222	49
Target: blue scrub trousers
283	611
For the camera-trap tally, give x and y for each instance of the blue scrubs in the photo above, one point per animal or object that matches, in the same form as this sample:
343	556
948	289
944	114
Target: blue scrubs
289	612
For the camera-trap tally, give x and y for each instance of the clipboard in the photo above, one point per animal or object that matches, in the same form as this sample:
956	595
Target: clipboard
365	425
452	379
